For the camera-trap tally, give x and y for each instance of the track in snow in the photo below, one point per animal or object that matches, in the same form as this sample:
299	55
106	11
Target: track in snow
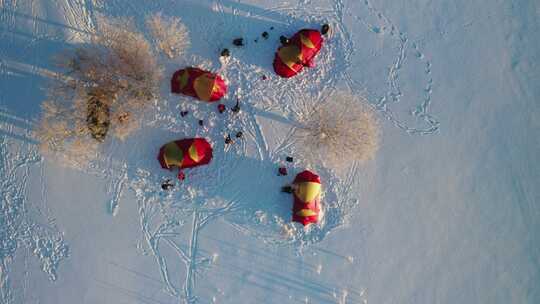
26	225
222	190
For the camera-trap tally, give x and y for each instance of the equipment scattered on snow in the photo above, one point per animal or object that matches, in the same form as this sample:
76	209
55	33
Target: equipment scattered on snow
307	198
236	107
221	108
225	53
201	84
325	28
287	189
167	185
228	139
238	41
297	53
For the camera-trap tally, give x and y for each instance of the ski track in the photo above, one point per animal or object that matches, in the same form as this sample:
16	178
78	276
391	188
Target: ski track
23	227
162	215
28	227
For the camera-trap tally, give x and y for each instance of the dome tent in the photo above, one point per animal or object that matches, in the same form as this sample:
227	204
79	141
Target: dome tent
201	84
297	53
185	153
307	198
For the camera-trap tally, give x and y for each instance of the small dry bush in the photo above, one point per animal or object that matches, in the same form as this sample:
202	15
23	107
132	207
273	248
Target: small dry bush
340	130
64	134
105	87
170	34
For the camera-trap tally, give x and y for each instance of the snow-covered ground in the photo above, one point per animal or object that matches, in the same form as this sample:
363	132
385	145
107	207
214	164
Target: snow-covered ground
447	212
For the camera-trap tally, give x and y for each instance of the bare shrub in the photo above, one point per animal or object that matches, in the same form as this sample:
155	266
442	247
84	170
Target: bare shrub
105	87
170	34
64	135
119	68
338	131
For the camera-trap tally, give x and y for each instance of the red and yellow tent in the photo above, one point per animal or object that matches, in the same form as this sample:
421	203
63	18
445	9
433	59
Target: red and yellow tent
291	58
307	198
185	153
201	84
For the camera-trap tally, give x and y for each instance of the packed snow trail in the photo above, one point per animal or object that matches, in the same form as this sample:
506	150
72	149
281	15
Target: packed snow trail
26	224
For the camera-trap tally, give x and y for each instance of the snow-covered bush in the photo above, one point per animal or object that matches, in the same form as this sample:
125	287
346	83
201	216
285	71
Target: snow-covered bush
104	87
170	34
63	132
337	131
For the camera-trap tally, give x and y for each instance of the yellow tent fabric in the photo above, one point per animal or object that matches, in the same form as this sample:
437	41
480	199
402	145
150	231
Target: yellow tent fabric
173	155
308	191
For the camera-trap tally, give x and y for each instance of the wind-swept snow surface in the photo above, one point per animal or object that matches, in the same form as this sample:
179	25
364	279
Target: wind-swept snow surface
447	212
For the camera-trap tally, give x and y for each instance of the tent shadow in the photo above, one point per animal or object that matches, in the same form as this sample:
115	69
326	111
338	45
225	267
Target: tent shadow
248	185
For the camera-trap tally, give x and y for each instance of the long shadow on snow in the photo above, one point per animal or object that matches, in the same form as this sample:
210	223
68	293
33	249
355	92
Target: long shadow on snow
249	184
24	64
214	25
15	127
243	190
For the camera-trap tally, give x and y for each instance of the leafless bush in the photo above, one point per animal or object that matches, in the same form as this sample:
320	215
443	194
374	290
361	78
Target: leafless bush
63	133
170	34
340	130
127	75
105	87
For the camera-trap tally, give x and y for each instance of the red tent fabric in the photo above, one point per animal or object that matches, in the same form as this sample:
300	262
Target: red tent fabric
185	153
307	198
201	84
291	58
